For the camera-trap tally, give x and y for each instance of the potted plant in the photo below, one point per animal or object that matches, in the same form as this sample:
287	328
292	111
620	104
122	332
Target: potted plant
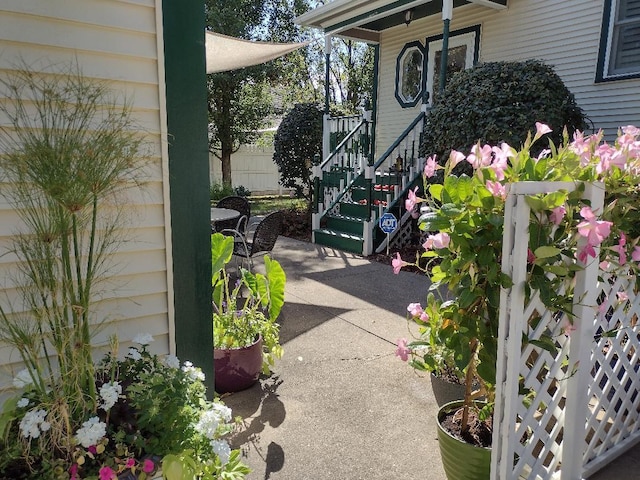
69	155
245	313
463	223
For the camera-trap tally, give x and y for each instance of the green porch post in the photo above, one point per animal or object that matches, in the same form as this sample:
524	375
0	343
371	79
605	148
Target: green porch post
447	13
186	94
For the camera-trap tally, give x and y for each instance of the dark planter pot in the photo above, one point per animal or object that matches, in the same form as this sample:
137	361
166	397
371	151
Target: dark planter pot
237	368
445	391
461	460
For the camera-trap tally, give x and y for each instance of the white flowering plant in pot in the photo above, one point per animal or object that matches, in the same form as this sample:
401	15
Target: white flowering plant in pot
153	414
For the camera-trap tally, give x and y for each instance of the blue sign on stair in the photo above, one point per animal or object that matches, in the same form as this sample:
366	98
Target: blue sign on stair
388	223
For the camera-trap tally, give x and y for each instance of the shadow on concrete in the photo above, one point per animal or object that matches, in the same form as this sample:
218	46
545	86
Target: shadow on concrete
298	318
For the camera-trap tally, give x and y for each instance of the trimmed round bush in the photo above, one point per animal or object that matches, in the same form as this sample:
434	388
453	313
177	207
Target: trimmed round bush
298	146
500	102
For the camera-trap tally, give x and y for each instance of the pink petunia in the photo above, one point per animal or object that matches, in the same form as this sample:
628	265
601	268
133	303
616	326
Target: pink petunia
496	189
430	167
557	214
402	351
107	473
148	466
411	200
397	264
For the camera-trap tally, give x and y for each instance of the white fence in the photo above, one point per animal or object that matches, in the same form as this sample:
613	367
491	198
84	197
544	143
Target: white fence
584	395
252	166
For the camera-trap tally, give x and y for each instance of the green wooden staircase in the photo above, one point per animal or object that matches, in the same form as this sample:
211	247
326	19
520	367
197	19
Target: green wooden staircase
351	192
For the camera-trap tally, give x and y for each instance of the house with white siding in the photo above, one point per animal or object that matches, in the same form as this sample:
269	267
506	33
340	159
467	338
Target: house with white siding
152	53
594	46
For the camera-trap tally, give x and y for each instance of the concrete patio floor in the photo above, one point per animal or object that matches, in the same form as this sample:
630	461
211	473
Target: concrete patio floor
340	405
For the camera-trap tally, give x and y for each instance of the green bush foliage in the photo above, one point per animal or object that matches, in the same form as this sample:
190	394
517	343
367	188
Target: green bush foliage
499	102
298	146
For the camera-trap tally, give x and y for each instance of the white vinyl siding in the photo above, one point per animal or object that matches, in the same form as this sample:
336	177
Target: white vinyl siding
565	34
114	41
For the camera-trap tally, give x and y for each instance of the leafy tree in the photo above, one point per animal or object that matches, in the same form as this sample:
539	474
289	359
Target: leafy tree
240	102
298	145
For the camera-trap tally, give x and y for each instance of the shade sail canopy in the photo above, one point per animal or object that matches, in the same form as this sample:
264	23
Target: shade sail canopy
228	53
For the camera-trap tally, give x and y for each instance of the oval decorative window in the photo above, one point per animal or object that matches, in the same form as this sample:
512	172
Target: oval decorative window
409	80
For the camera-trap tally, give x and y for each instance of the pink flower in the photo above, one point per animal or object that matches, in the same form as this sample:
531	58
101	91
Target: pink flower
106	473
585	252
411	200
402	351
430	167
557	214
622	296
500	162
148	466
567	327
594	230
636	254
480	156
438	241
541	129
631	130
131	462
415	309
73	471
92	450
455	157
397	264
621	250
530	256
496	189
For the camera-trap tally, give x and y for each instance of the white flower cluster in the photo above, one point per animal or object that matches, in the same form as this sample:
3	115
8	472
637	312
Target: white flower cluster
208	425
194	373
22	379
134	353
109	393
91	432
23	402
143	338
172	361
33	423
222	449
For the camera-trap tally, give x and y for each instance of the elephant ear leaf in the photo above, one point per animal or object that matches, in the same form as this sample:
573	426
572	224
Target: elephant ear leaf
221	252
276	279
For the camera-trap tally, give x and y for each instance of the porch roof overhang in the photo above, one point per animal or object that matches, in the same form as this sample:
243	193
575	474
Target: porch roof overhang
365	19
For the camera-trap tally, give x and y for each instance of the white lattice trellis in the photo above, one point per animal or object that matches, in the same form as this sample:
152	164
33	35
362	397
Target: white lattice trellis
565	405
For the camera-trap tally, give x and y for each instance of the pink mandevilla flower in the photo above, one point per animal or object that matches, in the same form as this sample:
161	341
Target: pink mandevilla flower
622	296
500	162
620	249
430	166
415	309
397	264
455	157
496	189
557	214
567	327
541	129
438	241
107	473
530	256
402	351
480	156
411	200
148	466
594	230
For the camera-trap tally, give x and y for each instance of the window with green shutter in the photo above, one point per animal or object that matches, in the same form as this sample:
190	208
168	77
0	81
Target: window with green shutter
619	56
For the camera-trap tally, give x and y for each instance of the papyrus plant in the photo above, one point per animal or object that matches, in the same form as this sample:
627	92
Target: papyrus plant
68	151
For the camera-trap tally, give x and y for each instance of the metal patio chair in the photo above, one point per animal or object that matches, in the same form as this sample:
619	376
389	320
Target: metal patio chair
235	202
263	239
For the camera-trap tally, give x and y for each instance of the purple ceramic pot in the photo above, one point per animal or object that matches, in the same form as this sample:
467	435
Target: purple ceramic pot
237	368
